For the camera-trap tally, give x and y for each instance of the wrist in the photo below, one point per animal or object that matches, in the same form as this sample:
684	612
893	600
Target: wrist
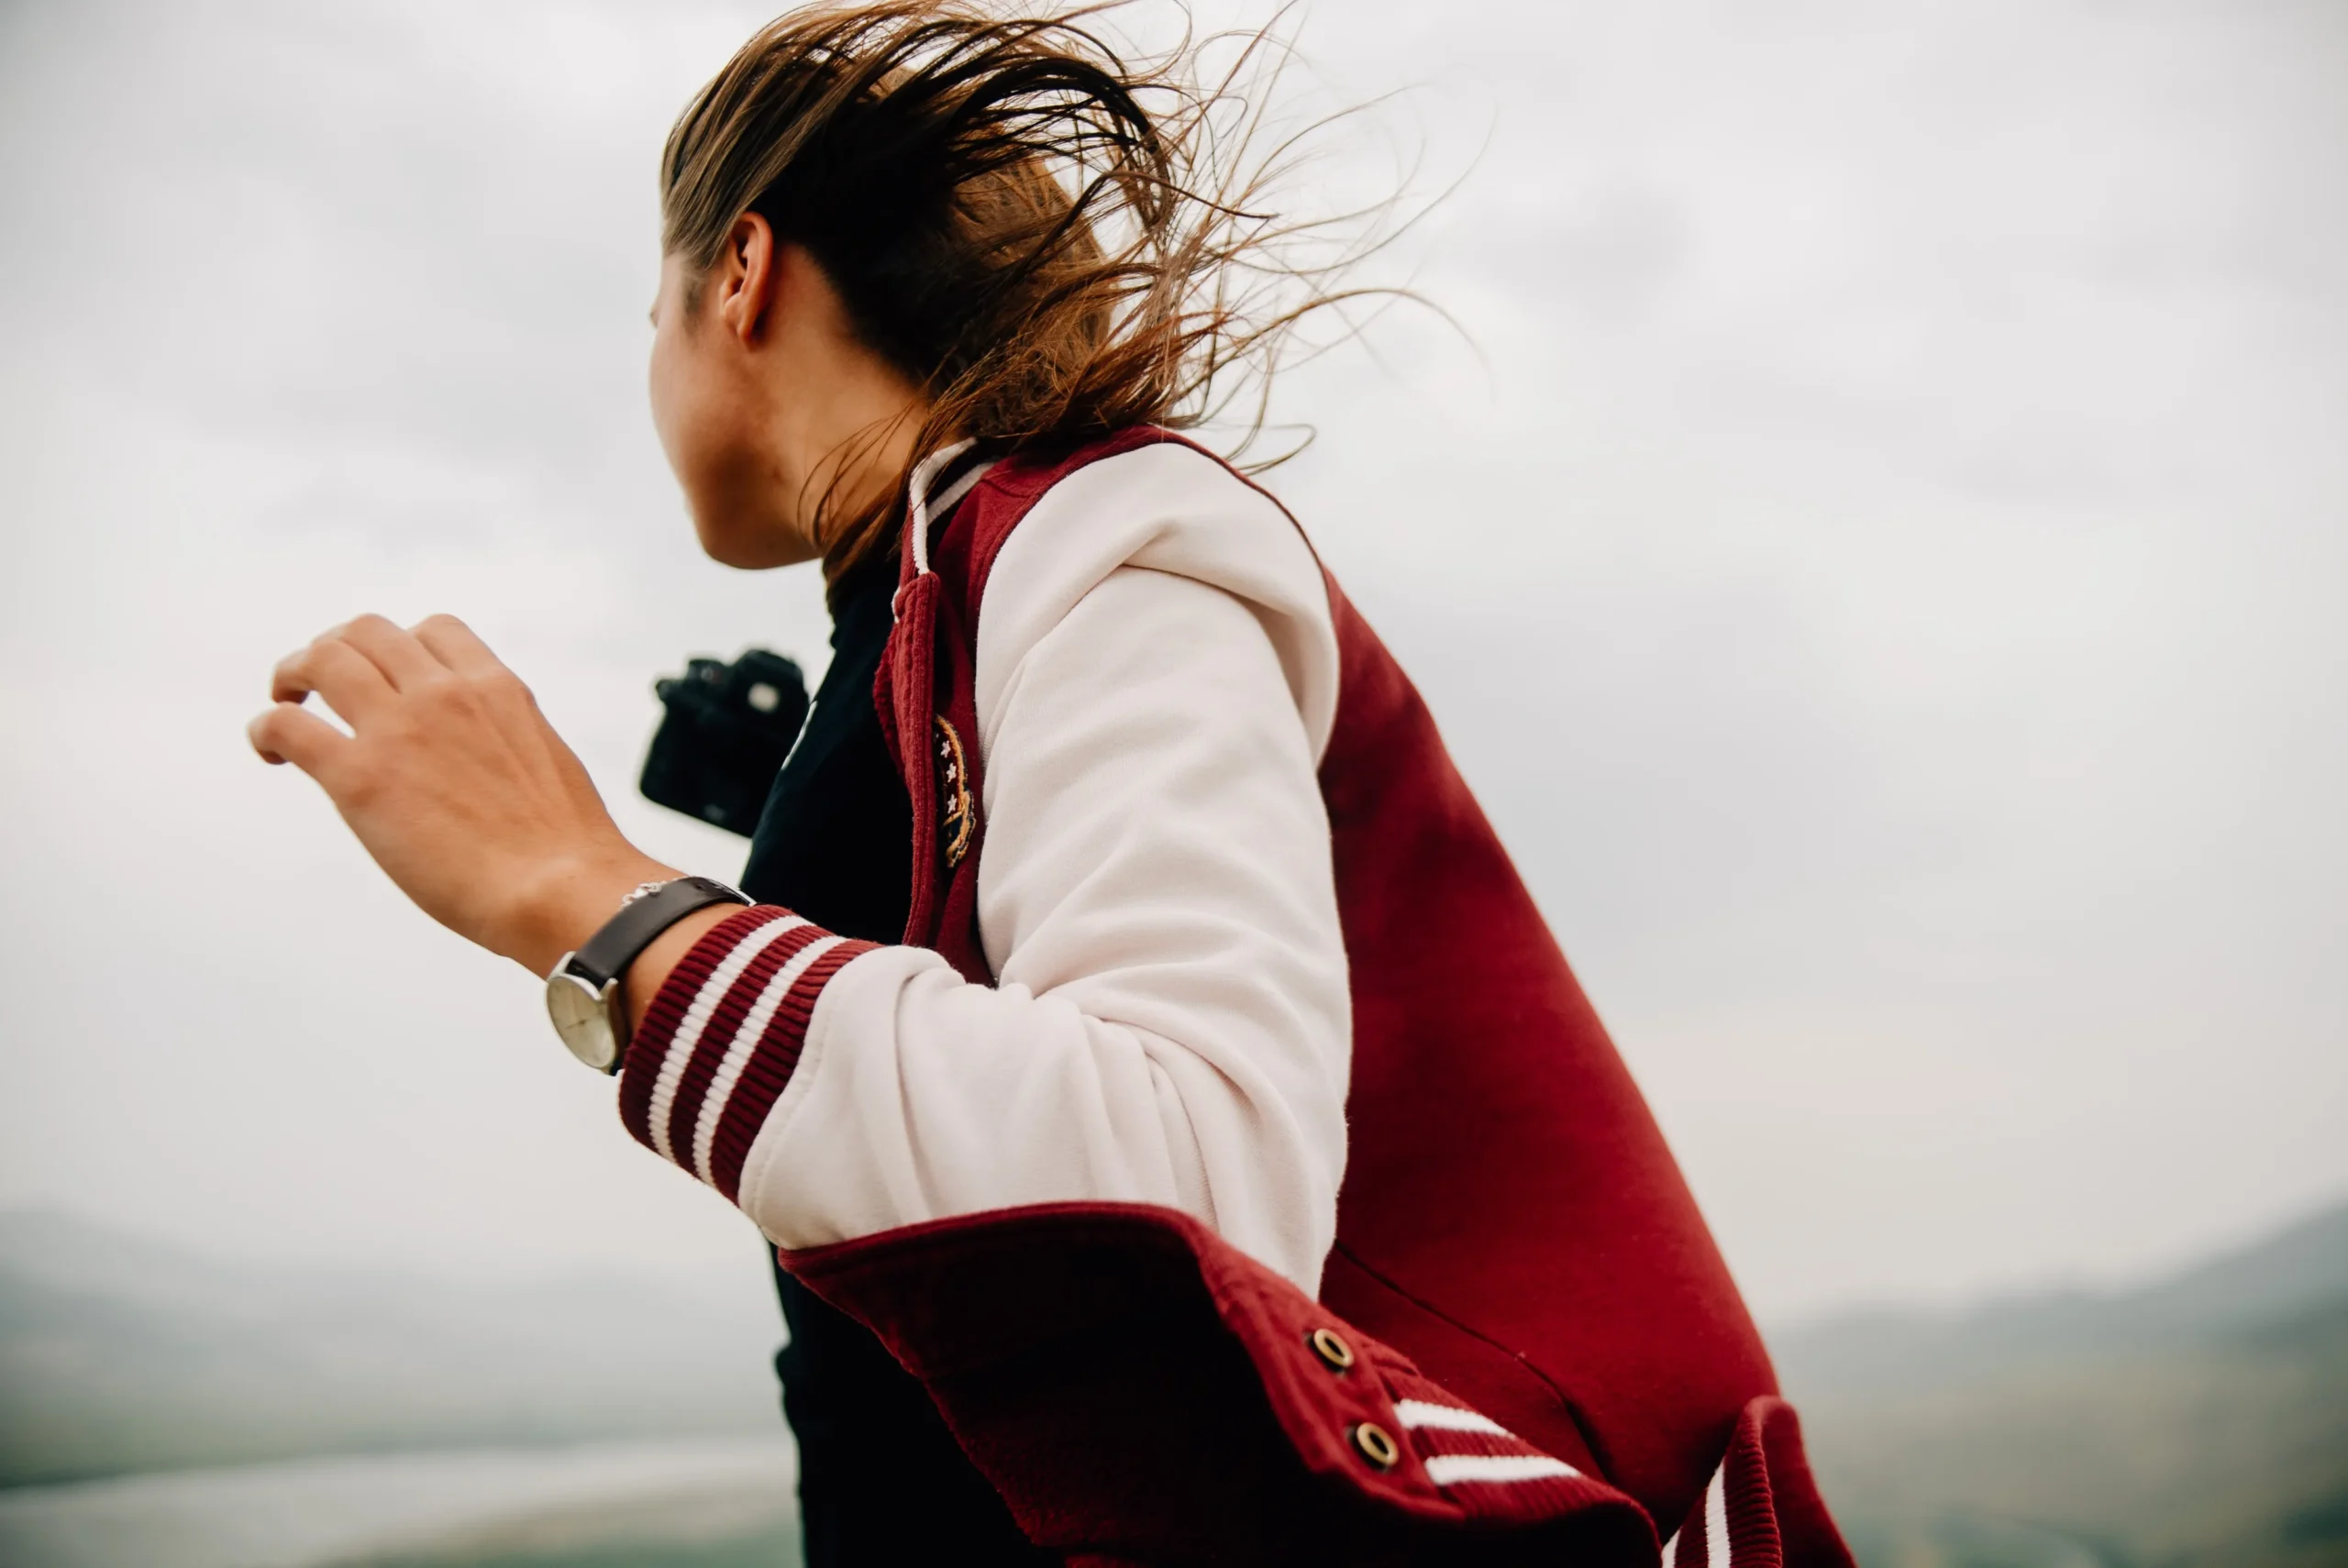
568	900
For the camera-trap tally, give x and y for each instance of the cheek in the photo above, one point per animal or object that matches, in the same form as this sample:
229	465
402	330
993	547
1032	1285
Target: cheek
686	416
668	388
703	431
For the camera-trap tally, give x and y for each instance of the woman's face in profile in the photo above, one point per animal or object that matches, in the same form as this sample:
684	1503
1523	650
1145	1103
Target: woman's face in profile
709	408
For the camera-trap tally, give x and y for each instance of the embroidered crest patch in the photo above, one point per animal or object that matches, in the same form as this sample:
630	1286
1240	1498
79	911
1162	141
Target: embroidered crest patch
956	815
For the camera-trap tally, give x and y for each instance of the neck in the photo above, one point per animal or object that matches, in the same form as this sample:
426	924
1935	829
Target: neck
840	419
847	457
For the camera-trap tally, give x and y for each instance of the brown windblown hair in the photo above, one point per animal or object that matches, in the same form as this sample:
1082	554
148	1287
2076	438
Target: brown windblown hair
1050	239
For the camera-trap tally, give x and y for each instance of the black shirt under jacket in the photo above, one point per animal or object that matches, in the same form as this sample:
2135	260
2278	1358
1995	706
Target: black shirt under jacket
881	1479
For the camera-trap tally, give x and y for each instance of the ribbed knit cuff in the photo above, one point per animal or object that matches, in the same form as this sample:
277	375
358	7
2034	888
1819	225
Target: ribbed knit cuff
722	1037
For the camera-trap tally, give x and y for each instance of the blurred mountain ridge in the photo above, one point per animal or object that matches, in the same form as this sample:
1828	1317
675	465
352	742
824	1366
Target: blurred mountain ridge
2297	1270
2201	1418
122	1353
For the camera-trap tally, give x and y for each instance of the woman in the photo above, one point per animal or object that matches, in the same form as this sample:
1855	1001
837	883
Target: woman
1182	1138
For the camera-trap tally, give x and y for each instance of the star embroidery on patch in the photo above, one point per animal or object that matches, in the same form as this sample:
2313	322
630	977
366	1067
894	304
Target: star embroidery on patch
957	820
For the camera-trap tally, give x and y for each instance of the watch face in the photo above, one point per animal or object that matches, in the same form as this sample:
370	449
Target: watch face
583	1020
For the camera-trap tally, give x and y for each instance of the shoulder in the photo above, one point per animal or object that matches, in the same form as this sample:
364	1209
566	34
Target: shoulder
1166	507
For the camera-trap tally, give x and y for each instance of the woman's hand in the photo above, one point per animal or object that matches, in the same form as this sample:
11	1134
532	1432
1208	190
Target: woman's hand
456	784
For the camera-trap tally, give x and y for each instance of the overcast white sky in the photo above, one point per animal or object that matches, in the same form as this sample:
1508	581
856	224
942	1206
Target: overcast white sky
1884	574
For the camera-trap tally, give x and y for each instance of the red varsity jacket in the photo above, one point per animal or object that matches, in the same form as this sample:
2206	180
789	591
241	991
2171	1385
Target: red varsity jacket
1526	1348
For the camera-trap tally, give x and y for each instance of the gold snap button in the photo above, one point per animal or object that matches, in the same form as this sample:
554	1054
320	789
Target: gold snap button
1330	1348
1377	1444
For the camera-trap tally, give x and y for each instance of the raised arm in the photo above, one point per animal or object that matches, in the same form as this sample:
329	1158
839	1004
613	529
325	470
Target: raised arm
1171	1024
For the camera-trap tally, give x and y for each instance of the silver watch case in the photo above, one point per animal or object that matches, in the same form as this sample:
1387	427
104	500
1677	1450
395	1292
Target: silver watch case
588	1018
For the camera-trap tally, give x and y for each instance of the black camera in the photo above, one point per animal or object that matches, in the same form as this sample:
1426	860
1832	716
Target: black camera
727	728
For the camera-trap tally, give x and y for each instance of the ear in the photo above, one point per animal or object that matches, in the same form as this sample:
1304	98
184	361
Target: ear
749	278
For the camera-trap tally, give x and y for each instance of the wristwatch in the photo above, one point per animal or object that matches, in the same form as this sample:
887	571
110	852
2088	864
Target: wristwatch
583	993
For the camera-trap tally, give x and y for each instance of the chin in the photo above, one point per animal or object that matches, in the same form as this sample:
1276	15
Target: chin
747	543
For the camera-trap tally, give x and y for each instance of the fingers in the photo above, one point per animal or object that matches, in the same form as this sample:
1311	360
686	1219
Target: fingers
290	733
365	667
454	644
336	671
406	663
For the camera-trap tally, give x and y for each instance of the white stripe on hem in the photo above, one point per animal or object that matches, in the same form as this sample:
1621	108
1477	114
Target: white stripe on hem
1716	1548
1446	1418
1450	1469
697	1016
745	1044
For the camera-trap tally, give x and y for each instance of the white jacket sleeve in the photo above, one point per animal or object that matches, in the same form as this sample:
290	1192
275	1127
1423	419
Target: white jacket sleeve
1156	675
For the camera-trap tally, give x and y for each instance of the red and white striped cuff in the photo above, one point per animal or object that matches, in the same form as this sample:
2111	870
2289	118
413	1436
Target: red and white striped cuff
722	1037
